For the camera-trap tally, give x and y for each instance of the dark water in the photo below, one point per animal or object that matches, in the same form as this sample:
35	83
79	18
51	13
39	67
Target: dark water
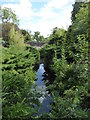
45	99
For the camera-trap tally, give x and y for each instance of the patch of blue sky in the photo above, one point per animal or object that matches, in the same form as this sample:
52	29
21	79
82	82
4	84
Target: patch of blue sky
40	1
38	5
9	2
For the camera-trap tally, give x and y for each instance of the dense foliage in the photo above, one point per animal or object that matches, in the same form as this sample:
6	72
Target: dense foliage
7	15
38	37
18	76
65	56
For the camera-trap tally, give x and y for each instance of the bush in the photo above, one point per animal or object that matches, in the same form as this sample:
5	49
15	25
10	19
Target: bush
18	76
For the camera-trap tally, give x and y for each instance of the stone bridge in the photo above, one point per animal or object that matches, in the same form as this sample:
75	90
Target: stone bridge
36	44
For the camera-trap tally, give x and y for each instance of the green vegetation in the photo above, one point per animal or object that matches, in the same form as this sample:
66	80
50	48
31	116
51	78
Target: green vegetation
18	76
38	37
65	55
27	36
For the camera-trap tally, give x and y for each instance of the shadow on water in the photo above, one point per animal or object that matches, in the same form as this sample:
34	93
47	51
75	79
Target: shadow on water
45	99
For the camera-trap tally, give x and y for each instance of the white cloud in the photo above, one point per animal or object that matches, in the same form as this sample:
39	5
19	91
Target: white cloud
57	3
49	18
23	10
55	13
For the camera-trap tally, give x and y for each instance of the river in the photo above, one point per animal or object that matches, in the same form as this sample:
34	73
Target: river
45	99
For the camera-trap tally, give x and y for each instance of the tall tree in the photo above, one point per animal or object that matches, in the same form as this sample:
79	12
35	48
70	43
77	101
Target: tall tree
79	27
27	36
38	37
7	19
76	8
8	15
5	27
15	38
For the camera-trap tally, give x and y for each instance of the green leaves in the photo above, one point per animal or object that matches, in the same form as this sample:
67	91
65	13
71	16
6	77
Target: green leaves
18	76
6	14
38	37
66	56
16	39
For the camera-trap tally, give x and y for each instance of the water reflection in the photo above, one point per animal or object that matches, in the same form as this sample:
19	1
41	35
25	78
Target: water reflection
39	77
45	99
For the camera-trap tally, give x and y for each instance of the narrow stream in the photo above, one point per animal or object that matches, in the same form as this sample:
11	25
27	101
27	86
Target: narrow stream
41	87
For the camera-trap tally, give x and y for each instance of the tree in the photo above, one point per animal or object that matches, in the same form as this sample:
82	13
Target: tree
15	38
27	36
76	8
8	19
57	35
8	15
6	27
36	35
79	27
41	38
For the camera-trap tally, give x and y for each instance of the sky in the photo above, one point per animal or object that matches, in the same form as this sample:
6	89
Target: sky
41	15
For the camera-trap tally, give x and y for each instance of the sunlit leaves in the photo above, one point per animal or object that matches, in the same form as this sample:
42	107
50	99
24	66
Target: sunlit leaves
18	76
7	15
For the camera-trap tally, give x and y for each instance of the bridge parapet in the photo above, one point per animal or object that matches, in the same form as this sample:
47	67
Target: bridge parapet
34	43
